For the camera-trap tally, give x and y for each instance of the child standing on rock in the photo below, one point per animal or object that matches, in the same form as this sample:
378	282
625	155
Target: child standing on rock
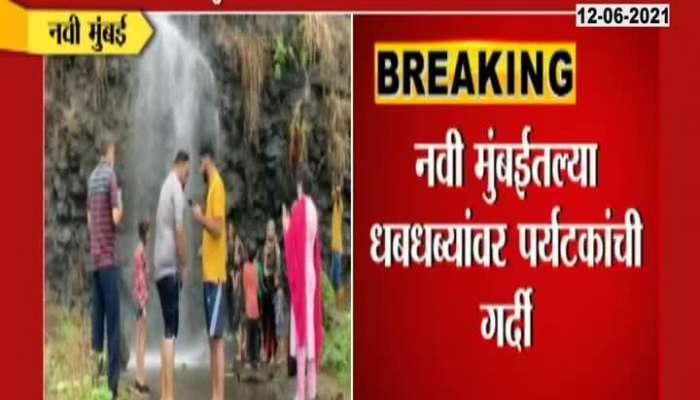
141	299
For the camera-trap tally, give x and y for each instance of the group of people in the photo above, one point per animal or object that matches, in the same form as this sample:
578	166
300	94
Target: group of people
273	298
258	299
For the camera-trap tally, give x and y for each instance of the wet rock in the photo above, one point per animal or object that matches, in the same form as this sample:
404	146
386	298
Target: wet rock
275	148
236	190
77	186
65	235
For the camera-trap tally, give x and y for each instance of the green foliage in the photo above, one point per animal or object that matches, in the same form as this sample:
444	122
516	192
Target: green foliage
100	392
336	349
70	366
328	298
336	325
282	58
328	294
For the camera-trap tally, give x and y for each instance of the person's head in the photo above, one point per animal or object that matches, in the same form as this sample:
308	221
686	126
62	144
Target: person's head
144	227
206	160
251	249
108	148
304	179
181	165
270	234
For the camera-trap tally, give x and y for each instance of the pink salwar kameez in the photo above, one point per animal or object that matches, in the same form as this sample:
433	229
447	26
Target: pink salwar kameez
303	254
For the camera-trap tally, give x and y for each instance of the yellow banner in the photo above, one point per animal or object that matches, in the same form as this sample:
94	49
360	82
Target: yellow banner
53	32
475	72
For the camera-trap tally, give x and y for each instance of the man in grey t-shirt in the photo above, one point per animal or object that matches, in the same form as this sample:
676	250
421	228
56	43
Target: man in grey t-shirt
170	262
171	204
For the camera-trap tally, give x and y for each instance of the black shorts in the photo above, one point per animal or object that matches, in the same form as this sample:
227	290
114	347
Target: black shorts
169	293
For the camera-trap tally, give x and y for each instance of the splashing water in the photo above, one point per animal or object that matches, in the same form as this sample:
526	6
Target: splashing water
174	108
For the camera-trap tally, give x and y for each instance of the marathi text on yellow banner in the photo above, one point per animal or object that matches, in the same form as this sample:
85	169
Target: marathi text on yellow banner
54	32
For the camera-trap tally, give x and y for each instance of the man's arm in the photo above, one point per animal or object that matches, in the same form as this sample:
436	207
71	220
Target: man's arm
180	245
178	200
116	216
116	201
213	225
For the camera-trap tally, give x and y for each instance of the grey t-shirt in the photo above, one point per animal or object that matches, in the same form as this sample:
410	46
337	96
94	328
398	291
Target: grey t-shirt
171	204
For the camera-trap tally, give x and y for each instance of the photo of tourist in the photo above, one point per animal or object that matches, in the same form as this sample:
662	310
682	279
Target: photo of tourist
198	213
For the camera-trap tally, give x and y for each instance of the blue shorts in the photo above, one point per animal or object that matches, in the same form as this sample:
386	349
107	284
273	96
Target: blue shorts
336	270
214	304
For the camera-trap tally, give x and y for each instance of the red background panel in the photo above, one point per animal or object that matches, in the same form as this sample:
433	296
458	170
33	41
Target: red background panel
21	215
679	147
595	332
416	331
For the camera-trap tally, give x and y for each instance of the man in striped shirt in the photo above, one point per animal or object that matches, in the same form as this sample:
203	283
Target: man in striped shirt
104	214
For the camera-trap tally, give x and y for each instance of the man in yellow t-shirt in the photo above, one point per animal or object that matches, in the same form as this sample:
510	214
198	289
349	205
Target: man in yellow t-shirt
337	239
213	264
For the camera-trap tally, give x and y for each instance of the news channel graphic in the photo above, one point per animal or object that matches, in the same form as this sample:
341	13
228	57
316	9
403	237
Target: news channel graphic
522	205
218	157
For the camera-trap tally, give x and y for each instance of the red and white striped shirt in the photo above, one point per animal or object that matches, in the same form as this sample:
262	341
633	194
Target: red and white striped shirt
103	196
140	276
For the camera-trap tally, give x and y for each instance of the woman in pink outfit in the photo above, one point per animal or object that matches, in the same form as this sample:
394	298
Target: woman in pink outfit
302	249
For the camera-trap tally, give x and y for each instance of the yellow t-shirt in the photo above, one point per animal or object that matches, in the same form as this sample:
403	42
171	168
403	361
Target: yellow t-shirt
214	248
337	227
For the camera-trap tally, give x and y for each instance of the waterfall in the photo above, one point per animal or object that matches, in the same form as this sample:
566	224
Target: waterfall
174	107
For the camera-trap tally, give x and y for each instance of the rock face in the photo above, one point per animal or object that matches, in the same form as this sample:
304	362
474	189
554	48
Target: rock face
82	96
88	96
